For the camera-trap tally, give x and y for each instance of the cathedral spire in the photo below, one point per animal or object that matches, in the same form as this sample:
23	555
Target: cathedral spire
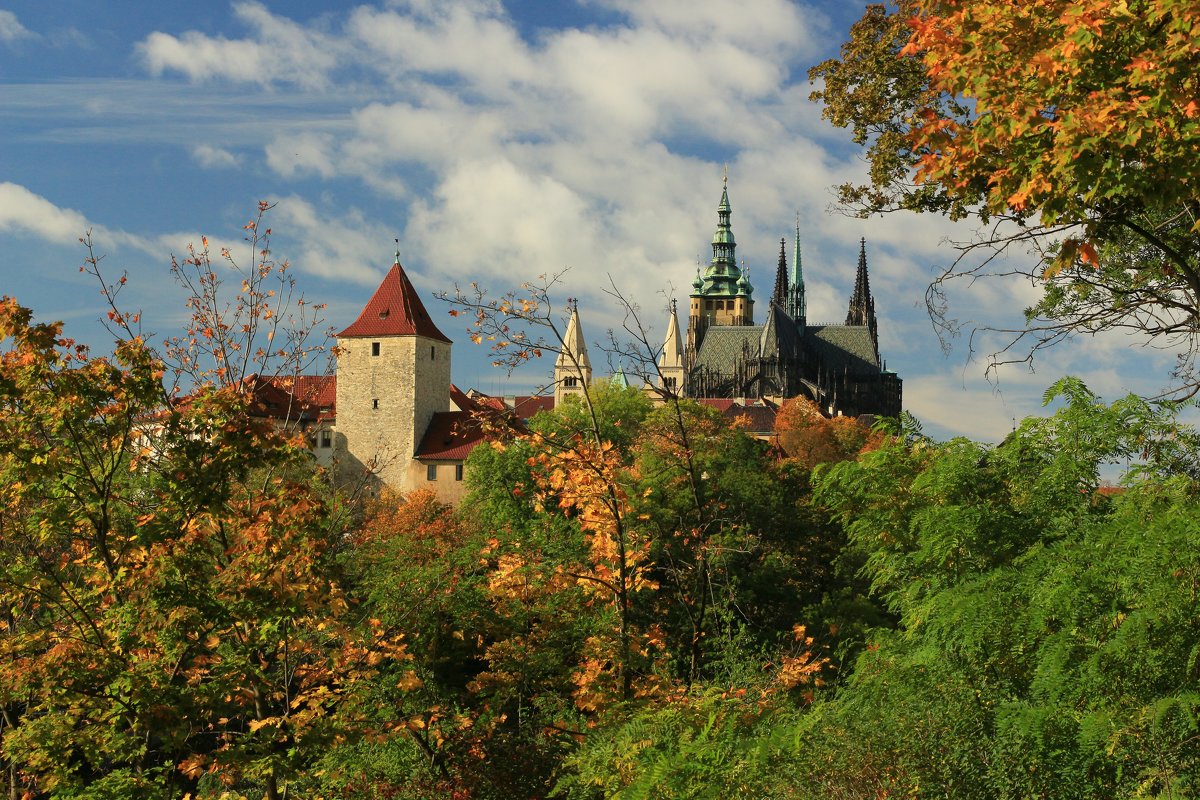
724	259
779	296
797	306
862	304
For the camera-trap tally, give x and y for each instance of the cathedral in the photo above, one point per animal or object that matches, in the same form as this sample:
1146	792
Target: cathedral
727	355
390	416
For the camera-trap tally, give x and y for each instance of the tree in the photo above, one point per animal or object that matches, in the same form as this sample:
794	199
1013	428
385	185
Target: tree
1045	627
1068	126
176	621
810	438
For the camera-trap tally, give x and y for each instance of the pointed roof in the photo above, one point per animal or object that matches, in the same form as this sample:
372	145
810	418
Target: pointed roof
619	379
797	302
394	310
862	305
779	296
722	278
672	355
574	343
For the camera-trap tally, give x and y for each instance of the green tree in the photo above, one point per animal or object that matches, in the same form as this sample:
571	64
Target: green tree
1046	628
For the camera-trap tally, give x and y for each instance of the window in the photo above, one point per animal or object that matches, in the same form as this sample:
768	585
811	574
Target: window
326	438
570	381
374	348
432	353
375	403
458	469
431	472
669	384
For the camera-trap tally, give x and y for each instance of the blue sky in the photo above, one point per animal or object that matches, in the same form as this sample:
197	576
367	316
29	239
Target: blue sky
496	141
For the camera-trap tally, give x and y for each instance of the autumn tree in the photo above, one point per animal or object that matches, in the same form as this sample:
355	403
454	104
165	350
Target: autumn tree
1068	127
810	438
176	619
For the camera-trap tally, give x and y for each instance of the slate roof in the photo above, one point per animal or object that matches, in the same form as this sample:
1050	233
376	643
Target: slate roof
723	345
451	436
844	347
394	310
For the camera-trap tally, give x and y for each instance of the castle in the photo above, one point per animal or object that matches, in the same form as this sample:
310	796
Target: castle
391	416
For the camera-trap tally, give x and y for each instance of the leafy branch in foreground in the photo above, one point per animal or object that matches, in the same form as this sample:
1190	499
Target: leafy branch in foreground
1068	127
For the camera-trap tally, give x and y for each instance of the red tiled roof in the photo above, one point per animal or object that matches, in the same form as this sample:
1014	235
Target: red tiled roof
304	398
721	404
461	399
753	418
526	407
451	436
394	310
318	390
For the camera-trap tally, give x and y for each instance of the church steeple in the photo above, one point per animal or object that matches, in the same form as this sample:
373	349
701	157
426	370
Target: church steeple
797	305
573	368
670	363
779	296
723	270
723	294
862	304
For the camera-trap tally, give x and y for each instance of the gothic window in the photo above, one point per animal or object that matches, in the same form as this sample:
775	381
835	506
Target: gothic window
570	381
374	348
669	384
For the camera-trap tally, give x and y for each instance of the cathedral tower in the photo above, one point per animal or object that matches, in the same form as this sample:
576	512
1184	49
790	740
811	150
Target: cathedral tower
393	374
722	295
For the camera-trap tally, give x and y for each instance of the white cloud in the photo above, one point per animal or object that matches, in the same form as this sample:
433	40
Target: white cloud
215	157
23	211
302	154
343	247
11	28
281	51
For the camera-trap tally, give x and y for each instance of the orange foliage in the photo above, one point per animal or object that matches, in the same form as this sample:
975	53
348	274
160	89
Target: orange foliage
811	438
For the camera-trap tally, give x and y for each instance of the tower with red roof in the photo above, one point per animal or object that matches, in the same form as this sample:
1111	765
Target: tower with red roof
393	376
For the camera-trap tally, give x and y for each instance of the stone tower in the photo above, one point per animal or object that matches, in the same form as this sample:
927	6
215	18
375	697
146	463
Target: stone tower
721	296
393	374
572	369
671	365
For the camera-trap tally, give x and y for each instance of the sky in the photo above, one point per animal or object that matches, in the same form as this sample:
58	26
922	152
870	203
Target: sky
497	141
